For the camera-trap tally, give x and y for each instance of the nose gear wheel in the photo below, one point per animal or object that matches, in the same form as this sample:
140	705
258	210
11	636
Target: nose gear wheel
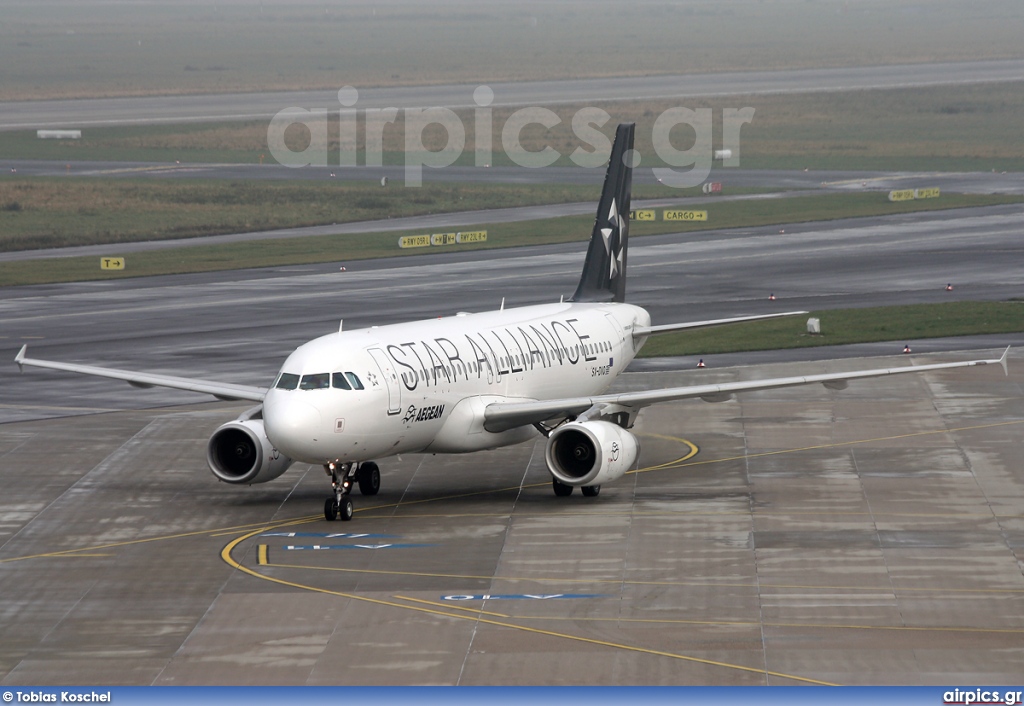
343	477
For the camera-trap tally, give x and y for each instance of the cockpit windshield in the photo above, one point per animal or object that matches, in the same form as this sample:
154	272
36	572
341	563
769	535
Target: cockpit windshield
319	381
287	381
316	381
347	381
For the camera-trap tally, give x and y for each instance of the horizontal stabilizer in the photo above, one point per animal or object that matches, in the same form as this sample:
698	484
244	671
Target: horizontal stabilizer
666	328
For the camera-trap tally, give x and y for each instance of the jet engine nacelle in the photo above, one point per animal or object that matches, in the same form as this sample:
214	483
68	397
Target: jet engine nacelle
239	452
590	453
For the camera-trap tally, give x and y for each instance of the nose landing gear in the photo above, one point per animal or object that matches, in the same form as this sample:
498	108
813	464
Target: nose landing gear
335	507
343	477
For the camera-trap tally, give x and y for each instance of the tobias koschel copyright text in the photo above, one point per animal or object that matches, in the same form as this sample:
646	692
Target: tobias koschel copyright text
57	697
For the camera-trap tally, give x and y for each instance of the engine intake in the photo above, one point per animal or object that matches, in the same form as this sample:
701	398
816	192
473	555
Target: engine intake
240	453
590	453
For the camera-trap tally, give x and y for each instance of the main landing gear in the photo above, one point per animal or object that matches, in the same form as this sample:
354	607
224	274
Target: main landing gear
343	476
563	491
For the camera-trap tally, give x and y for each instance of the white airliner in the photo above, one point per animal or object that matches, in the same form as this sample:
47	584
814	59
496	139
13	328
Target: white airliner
469	382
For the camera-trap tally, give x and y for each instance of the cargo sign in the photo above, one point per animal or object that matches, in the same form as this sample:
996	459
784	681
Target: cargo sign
437	239
646	215
111	263
686	215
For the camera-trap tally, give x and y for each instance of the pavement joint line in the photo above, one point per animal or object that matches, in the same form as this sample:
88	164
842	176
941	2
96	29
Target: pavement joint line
699	513
230	561
849	443
751	623
619	582
184	535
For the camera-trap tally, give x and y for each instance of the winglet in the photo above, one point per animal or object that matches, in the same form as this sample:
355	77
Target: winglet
1002	361
20	357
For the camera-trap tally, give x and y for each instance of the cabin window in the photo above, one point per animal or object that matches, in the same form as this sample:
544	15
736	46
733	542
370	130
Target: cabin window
338	381
357	384
287	381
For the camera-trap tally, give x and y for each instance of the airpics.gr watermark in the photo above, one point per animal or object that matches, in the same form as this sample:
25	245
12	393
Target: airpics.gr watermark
687	168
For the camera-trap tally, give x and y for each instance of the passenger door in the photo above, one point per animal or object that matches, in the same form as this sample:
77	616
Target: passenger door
387	371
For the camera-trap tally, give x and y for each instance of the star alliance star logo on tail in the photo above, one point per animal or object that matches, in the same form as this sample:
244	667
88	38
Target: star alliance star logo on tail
614	251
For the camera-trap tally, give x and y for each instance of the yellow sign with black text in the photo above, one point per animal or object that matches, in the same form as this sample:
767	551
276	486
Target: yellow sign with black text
686	215
425	241
414	241
645	215
442	239
932	193
111	263
902	195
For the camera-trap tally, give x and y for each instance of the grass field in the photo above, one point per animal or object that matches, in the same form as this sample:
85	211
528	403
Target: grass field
843	326
947	128
348	248
58	212
89	48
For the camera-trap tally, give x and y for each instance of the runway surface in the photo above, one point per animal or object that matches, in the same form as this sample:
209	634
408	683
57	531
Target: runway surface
872	535
250	106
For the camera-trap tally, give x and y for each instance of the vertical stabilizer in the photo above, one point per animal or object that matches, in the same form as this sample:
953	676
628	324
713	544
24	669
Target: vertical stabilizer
604	271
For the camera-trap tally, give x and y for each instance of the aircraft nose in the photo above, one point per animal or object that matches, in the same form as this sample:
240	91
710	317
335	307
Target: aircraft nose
292	425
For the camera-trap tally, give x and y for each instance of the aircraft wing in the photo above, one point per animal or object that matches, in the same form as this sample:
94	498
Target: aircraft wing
221	390
501	416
